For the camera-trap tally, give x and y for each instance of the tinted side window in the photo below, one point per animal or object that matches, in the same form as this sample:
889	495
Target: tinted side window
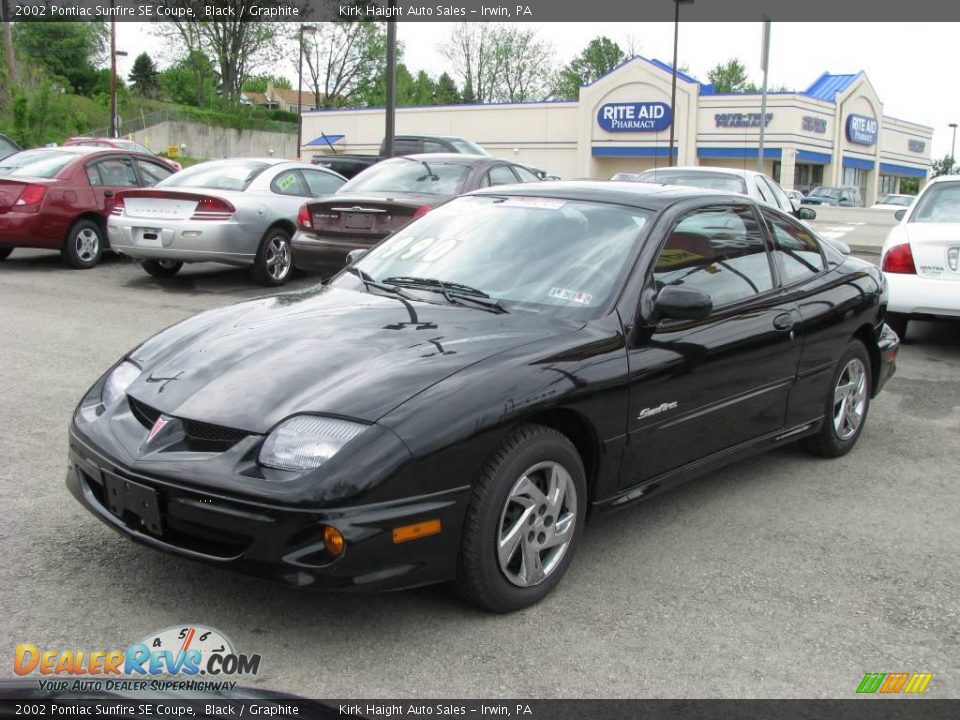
764	191
289	182
321	183
795	249
116	172
719	250
501	175
152	173
525	175
7	147
432	146
407	147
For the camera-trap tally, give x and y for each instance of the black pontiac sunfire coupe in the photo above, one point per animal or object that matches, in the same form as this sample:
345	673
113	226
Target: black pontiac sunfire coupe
456	402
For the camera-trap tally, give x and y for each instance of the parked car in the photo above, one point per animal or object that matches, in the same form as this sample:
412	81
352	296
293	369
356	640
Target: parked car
760	187
384	198
454	404
8	146
796	198
349	165
237	212
921	256
122	144
59	198
892	201
840	196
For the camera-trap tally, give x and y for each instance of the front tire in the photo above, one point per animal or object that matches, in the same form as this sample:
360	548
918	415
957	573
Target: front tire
84	245
898	323
274	260
847	405
523	522
162	268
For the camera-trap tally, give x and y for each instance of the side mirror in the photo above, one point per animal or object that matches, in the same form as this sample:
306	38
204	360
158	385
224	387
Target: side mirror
353	257
806	213
900	214
677	303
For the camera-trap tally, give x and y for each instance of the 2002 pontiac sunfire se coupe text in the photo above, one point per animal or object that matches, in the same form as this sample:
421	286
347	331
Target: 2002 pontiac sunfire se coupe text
456	402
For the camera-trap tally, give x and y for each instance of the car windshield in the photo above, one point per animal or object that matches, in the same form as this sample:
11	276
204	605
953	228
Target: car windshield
706	180
627	177
37	163
940	203
217	175
530	254
826	192
903	200
426	176
467	147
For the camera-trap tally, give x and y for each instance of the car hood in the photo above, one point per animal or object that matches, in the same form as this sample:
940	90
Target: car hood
325	350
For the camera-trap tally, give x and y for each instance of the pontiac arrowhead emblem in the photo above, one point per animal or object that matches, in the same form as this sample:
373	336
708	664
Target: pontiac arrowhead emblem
157	427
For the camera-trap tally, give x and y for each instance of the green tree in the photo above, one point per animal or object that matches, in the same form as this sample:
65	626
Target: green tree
731	77
69	52
191	81
144	76
943	166
344	63
600	56
423	91
445	92
258	83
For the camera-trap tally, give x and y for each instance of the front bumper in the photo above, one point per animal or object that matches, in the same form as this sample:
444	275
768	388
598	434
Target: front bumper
889	344
918	295
275	542
229	241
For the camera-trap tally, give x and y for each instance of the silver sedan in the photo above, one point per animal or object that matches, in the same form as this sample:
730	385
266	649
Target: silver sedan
239	212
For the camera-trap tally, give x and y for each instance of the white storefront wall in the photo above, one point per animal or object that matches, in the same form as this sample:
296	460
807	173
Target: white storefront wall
806	138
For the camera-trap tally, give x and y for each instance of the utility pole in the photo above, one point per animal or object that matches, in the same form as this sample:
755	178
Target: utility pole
391	109
114	130
764	63
673	83
8	41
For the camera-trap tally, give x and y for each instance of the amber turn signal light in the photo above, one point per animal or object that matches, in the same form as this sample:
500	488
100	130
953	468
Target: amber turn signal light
333	541
419	530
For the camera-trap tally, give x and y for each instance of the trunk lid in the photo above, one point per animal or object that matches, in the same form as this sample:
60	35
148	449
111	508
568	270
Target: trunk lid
370	216
936	249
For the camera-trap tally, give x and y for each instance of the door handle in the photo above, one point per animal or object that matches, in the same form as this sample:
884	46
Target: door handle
784	321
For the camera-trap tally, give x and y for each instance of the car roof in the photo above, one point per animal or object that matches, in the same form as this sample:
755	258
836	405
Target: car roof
702	168
648	196
450	158
944	178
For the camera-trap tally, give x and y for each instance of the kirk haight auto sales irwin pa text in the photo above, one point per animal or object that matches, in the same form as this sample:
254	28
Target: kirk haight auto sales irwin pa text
368	12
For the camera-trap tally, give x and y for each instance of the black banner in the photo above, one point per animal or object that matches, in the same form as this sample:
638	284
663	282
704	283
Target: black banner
480	10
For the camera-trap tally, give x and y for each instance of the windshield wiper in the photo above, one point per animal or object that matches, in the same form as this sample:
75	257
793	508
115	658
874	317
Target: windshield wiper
369	282
453	292
431	175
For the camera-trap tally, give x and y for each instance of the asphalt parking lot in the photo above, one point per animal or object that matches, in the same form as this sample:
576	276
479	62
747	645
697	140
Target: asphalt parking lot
784	576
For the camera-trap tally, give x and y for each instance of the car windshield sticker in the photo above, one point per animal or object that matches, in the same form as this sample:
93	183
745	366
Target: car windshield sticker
571	295
418	247
286	181
439	250
534	202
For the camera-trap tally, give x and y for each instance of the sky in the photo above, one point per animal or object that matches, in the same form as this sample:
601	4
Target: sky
912	65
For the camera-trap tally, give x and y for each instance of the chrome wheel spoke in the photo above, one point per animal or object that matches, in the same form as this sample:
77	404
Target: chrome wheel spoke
532	568
509	544
530	492
850	399
563	532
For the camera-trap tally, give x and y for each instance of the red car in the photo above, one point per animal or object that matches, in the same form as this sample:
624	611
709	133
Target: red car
59	198
120	144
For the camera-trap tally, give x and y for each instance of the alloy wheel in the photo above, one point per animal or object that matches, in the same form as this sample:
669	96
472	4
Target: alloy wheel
278	258
850	399
87	243
536	524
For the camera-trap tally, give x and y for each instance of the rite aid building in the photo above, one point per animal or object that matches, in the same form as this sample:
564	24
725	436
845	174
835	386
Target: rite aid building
832	133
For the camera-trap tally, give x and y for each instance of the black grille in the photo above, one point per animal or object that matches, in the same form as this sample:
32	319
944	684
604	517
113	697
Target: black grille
206	432
200	436
144	414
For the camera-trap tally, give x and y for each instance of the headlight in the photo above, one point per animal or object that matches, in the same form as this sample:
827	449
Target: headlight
118	382
305	442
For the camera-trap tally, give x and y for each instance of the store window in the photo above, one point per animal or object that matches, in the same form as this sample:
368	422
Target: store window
888	184
807	176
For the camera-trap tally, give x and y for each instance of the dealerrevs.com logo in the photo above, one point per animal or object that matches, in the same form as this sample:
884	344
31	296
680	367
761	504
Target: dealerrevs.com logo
182	653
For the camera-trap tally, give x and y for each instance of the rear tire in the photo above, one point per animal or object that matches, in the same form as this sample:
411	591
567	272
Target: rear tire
83	247
898	323
848	402
162	268
274	261
5	252
524	521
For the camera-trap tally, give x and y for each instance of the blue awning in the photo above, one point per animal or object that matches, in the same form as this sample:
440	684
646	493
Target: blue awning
891	169
326	139
739	153
858	163
632	151
808	156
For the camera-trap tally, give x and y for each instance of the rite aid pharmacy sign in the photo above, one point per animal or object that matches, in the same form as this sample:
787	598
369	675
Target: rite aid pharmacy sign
861	129
634	117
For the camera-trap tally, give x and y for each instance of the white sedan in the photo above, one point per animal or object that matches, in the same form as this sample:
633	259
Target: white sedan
892	201
921	257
